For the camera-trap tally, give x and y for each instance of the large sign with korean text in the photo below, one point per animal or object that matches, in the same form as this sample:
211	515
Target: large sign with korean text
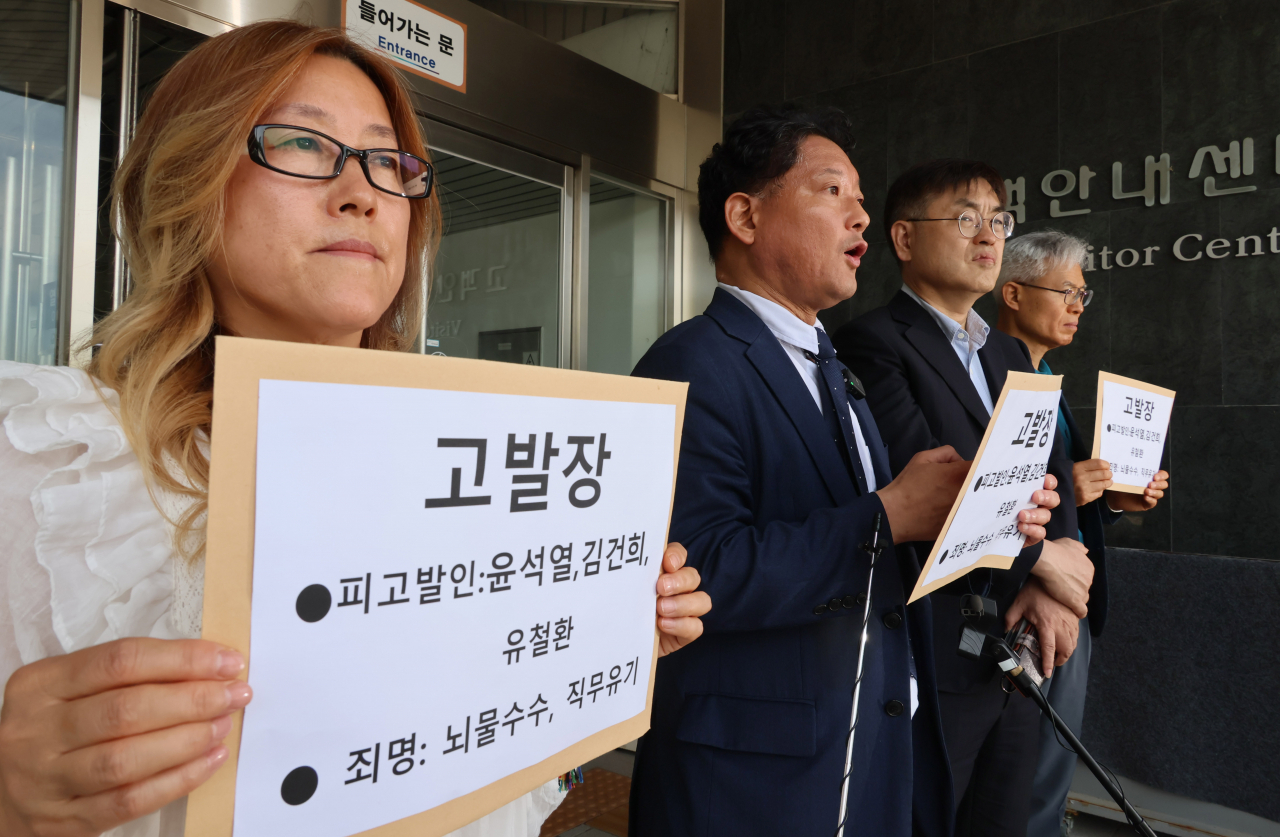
982	528
452	568
413	37
1131	429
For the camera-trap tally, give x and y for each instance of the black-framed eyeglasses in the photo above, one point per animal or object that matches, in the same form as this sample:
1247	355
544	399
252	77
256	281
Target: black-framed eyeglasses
971	222
302	152
1069	295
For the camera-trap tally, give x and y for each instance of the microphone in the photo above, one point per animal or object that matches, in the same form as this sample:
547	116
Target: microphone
852	384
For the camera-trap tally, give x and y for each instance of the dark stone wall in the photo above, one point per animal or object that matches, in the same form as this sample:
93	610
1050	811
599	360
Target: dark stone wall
1166	705
1044	85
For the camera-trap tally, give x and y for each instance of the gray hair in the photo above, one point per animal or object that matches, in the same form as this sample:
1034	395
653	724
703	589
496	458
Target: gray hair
1029	257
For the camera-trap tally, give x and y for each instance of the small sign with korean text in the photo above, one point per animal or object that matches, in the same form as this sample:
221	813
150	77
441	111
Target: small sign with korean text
415	38
982	528
443	571
1130	430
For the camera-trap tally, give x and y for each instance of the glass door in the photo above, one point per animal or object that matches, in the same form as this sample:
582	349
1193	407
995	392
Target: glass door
628	278
137	50
33	91
500	282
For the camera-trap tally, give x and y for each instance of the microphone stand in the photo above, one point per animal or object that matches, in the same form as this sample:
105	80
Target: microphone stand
873	549
976	642
1027	686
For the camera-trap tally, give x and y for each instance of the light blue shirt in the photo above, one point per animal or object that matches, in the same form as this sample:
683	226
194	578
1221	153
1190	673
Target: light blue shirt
966	342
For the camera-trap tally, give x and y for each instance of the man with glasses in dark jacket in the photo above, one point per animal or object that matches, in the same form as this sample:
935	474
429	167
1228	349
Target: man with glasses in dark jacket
933	370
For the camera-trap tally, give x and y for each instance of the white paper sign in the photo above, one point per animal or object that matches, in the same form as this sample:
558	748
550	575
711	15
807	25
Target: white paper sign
415	38
1131	429
982	529
447	587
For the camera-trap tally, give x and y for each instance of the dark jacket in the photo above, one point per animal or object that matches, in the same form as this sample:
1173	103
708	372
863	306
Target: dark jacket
922	397
1092	517
750	722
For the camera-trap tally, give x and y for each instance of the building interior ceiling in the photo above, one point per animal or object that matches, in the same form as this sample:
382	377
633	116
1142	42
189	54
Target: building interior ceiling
473	195
33	48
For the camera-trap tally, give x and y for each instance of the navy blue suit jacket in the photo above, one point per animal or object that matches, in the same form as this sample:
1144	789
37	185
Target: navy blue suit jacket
1092	517
750	722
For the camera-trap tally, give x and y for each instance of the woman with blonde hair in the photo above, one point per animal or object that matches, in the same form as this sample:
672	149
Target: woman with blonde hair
243	211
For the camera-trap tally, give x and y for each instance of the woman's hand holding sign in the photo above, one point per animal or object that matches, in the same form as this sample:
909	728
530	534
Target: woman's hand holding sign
98	738
680	603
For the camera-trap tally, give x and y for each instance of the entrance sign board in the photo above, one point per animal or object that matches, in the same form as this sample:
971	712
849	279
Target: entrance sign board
415	38
443	573
1130	430
982	528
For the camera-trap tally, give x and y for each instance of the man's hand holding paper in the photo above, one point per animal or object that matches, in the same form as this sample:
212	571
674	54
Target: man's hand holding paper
1031	522
988	525
1093	478
918	501
1146	501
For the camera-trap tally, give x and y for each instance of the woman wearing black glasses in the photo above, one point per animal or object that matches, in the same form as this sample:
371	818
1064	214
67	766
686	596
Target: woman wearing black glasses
278	187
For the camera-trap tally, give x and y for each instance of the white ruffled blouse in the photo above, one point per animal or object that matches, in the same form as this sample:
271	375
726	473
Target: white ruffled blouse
86	556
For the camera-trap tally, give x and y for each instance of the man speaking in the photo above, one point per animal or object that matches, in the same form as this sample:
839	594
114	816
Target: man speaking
782	478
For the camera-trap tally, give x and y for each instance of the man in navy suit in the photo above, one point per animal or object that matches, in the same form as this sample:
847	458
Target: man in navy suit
782	479
1042	295
933	370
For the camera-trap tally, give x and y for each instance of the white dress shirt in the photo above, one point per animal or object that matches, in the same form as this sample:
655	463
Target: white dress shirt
798	337
966	342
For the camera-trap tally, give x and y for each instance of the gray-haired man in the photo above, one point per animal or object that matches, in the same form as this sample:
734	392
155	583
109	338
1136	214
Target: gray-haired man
1042	294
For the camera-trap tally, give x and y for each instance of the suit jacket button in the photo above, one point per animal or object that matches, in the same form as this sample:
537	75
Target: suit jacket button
892	620
835	604
893	708
850	601
862	599
819	610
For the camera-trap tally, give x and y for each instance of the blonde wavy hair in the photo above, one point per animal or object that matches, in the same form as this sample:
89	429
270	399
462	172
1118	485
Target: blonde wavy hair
169	195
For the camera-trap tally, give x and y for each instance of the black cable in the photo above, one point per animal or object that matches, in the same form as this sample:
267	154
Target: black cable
1116	779
1064	745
